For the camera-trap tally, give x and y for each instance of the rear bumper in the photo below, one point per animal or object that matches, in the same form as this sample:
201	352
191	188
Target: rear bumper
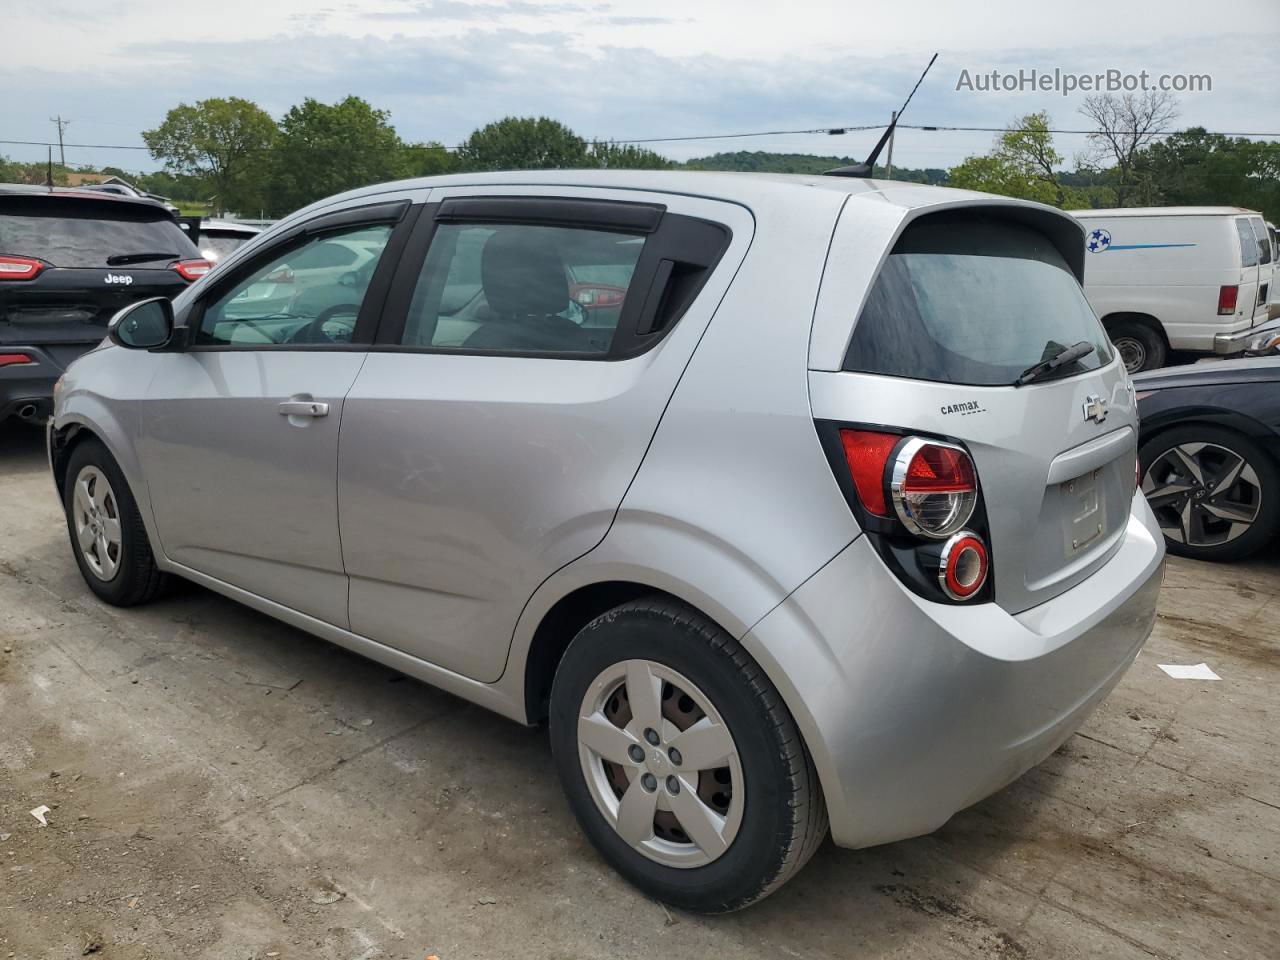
914	710
26	389
1243	341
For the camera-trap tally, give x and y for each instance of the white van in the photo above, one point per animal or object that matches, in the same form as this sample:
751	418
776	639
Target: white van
1187	279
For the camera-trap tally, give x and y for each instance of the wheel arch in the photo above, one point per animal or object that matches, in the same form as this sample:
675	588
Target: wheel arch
1111	320
1155	425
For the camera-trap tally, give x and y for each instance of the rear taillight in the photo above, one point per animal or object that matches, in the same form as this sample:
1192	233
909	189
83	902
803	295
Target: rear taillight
913	493
14	359
934	487
19	268
964	565
597	295
191	270
1227	300
279	275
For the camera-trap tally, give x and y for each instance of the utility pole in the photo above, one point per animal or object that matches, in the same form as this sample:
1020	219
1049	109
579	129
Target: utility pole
893	127
62	154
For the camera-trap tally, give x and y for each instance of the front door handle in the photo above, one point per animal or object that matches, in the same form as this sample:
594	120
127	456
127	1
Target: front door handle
303	408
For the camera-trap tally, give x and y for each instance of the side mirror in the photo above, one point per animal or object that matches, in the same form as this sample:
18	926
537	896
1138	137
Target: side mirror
144	325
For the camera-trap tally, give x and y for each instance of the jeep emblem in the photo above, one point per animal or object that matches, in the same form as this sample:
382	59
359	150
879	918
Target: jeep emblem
117	278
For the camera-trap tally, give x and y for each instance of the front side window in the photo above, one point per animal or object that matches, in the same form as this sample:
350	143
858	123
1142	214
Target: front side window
308	294
973	301
522	288
1248	244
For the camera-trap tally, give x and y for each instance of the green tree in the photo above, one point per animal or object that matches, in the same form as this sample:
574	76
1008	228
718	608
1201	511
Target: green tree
323	149
1126	126
223	140
524	143
625	156
1022	163
428	159
1197	168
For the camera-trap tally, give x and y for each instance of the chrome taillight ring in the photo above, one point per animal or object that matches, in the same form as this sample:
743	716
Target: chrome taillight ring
933	515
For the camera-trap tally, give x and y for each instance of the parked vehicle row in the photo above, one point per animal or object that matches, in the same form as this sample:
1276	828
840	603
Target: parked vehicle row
792	504
1180	280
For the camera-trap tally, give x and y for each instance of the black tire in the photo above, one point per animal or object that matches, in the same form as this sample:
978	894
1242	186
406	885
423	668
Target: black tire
136	578
1266	524
1140	347
784	816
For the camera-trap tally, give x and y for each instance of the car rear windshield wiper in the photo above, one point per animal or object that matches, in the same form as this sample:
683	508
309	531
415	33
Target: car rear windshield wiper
1060	359
122	258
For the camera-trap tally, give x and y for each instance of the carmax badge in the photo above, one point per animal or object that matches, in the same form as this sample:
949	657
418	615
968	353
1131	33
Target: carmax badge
1095	408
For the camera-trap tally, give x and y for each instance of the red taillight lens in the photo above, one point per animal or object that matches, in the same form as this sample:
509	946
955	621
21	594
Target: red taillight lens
280	275
964	566
191	270
19	268
867	453
13	359
596	295
934	487
1227	300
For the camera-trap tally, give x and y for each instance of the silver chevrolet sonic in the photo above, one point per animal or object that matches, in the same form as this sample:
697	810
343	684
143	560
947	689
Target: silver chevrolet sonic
791	504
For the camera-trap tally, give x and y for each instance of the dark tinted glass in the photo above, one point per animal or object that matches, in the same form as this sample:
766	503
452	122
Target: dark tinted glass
70	234
974	302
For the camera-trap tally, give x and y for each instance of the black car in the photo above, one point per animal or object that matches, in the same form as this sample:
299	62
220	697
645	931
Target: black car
1210	455
69	259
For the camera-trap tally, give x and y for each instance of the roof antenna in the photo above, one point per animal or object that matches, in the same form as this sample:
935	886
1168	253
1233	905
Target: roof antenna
864	169
48	180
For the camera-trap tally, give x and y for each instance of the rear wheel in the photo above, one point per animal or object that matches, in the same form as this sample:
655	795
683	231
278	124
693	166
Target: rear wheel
680	760
1214	492
1140	347
107	536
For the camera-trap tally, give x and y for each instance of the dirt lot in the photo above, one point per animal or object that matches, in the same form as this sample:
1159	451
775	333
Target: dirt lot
223	786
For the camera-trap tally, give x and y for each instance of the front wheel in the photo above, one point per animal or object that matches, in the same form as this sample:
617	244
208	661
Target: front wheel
1214	492
107	536
680	761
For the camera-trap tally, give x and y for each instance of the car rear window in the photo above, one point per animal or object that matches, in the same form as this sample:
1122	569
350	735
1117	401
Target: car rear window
1263	238
973	301
1248	244
66	233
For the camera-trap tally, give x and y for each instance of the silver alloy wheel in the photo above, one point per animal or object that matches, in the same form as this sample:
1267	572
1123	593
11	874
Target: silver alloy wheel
97	521
1202	494
1133	353
660	763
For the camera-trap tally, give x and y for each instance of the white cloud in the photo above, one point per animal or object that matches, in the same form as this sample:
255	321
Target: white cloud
622	69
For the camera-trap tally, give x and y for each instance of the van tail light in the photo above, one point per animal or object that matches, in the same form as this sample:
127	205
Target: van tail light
192	270
14	359
19	268
919	502
964	565
1227	300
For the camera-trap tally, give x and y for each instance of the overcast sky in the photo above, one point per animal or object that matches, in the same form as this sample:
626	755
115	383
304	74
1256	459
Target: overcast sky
623	69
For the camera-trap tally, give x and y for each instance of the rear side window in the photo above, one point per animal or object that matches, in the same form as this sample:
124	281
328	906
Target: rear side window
1248	244
1264	241
973	301
522	288
66	233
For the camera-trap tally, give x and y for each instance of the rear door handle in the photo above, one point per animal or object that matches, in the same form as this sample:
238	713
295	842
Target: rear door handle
303	408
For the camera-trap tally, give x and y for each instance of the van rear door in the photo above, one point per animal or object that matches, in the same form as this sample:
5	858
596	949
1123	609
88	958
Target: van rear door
966	301
1266	267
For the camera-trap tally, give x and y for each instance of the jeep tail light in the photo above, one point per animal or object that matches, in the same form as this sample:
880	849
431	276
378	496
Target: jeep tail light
964	566
279	275
14	359
19	268
597	295
1227	300
934	487
192	270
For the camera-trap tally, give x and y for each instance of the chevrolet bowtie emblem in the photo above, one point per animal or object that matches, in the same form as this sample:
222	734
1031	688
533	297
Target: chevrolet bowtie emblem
1095	408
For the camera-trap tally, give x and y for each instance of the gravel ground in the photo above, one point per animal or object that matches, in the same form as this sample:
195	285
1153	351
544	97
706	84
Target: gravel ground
223	786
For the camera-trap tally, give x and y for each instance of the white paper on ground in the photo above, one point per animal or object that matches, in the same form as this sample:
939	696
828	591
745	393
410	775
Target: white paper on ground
1178	671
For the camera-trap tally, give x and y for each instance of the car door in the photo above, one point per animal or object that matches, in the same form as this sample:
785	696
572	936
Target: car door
529	348
239	431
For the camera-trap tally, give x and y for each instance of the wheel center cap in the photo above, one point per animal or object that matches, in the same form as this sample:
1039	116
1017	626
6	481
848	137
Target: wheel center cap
658	764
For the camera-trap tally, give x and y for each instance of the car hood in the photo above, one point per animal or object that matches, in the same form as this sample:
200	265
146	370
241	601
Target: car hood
1249	370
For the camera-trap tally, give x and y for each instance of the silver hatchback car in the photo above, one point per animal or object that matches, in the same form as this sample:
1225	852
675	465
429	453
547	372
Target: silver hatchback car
782	500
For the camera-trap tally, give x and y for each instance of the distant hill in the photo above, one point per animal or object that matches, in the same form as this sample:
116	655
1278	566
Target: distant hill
758	161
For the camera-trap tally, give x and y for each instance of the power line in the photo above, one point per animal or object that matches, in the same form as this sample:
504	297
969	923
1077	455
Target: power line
811	131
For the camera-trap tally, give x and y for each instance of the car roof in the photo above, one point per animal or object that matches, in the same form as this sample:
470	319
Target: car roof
1167	212
745	188
230	225
96	196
